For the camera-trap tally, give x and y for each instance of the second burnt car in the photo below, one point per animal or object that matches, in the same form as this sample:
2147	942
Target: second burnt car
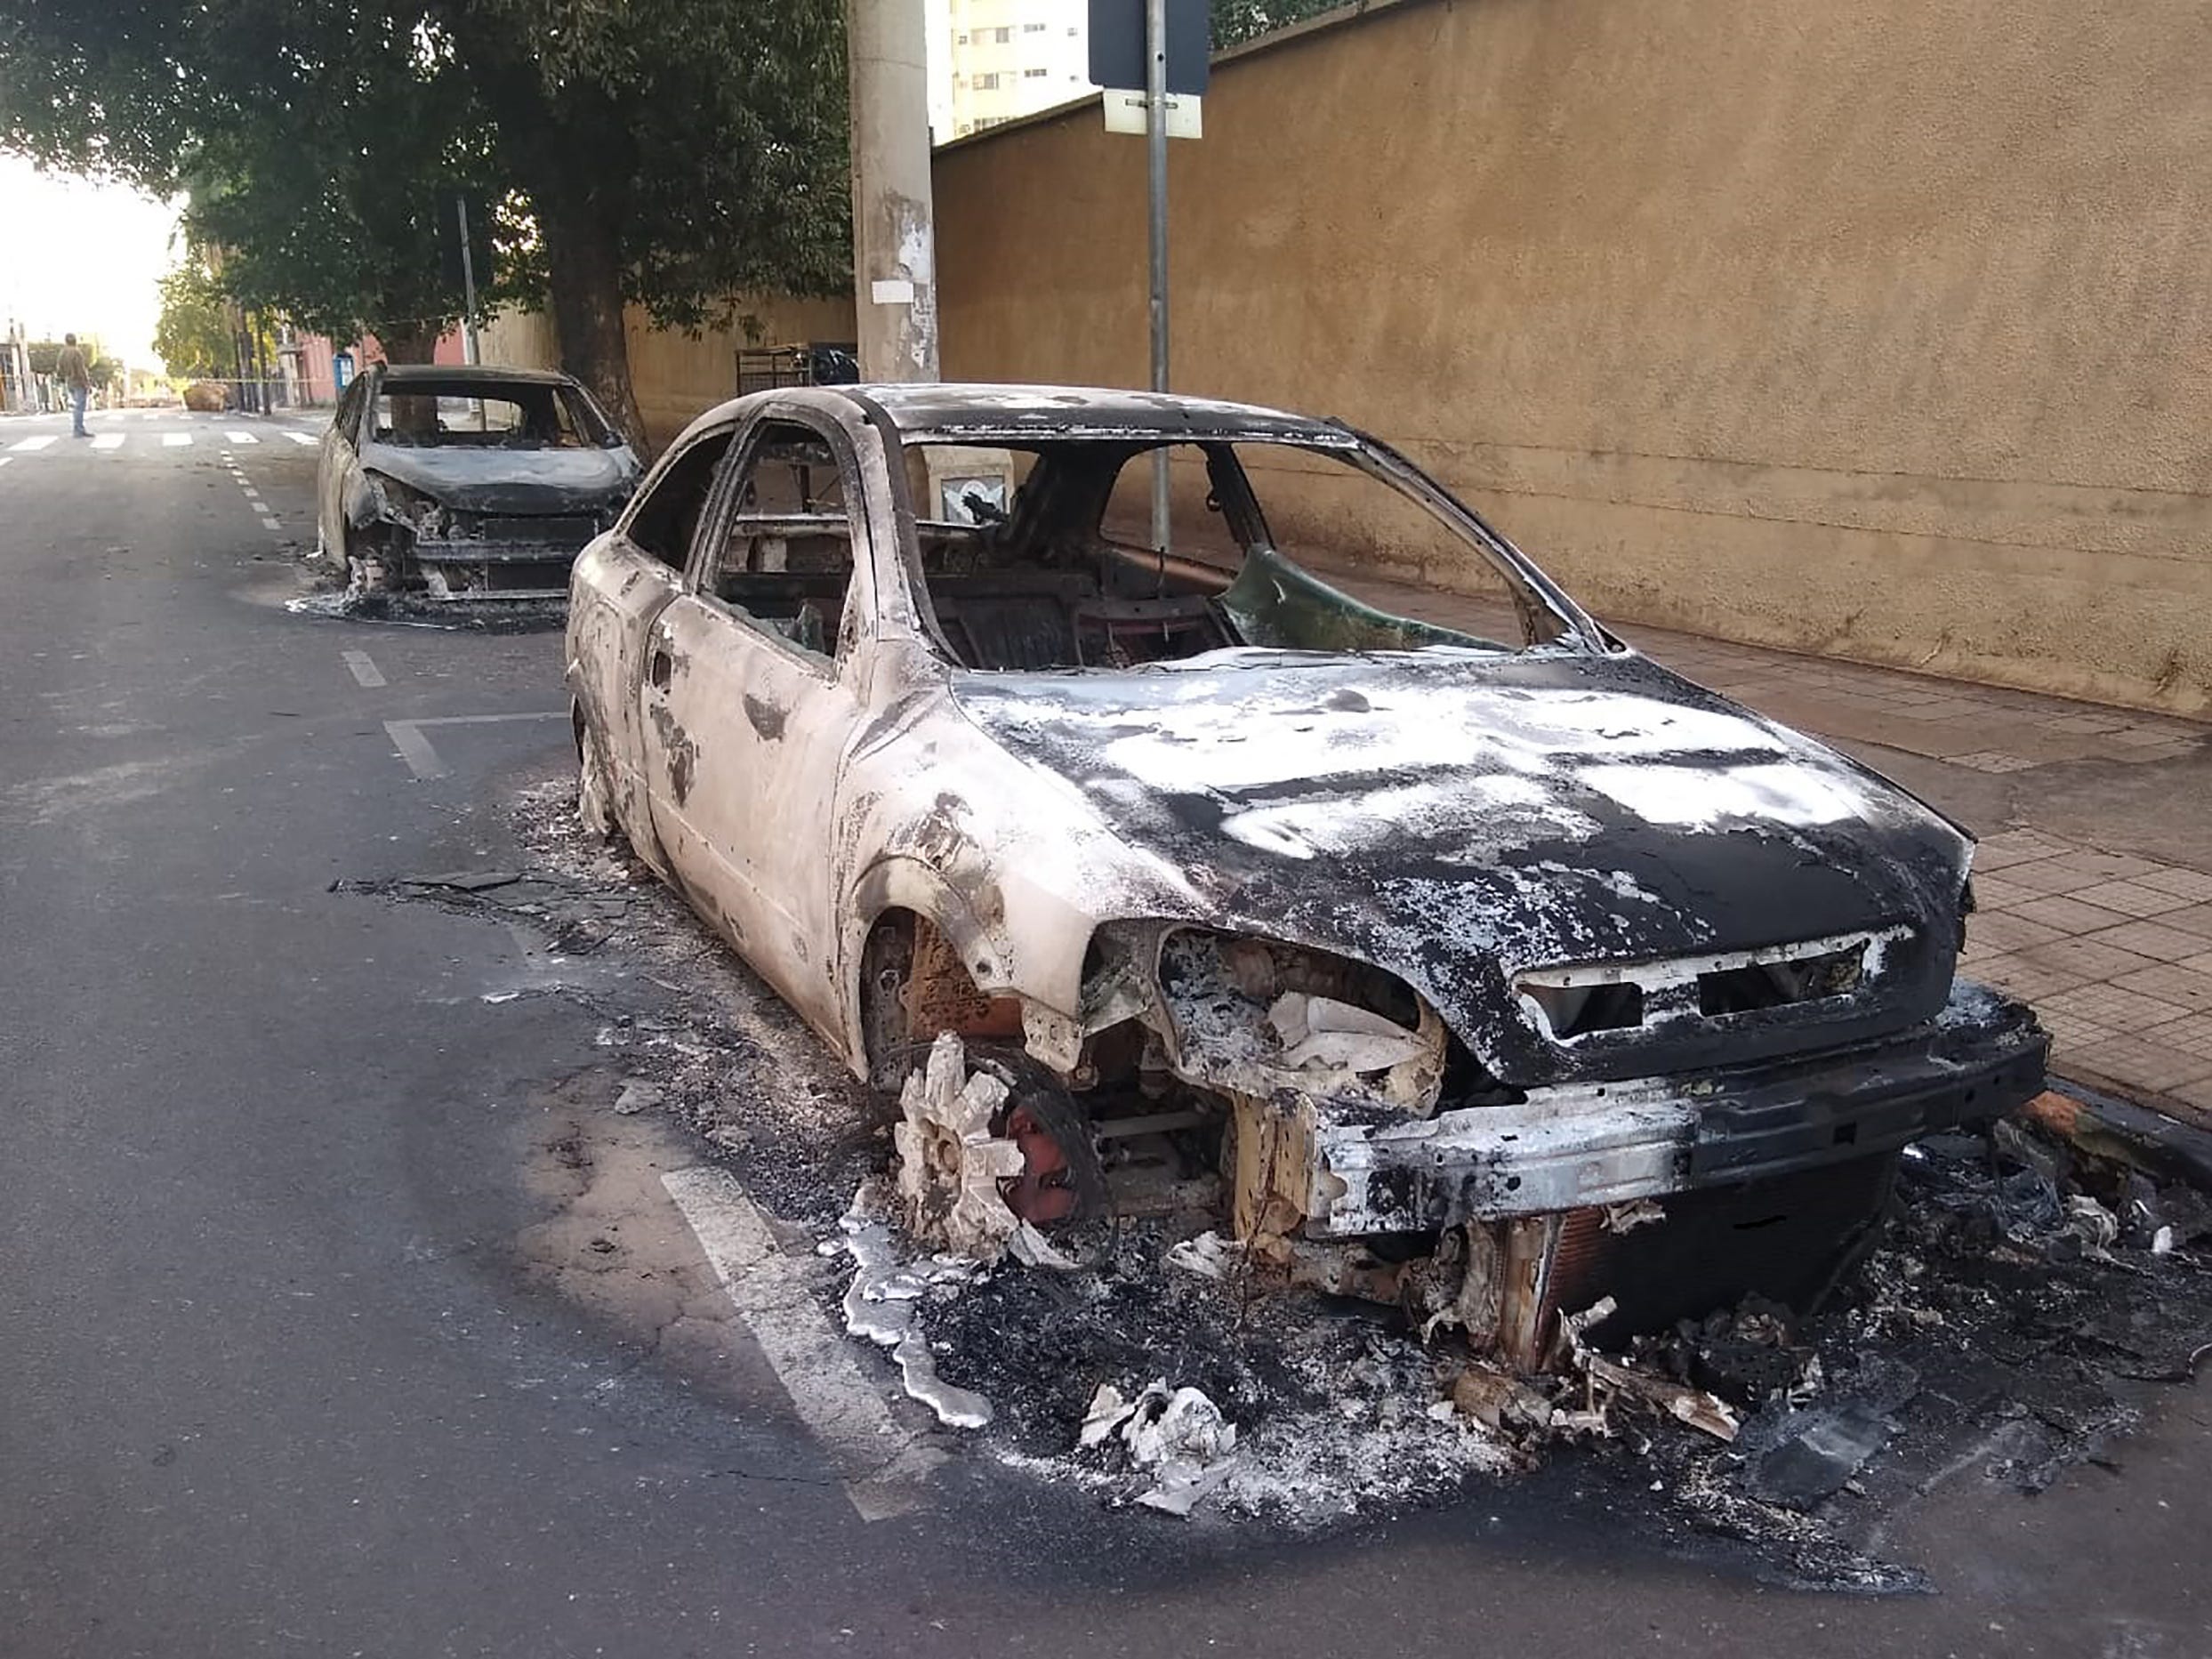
466	483
1492	970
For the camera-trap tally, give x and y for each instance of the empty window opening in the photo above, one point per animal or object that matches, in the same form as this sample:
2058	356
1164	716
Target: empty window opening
1043	556
786	557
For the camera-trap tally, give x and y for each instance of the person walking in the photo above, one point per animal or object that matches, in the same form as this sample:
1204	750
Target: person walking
74	372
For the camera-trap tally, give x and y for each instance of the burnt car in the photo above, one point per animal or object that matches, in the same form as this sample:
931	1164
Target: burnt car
1491	972
472	483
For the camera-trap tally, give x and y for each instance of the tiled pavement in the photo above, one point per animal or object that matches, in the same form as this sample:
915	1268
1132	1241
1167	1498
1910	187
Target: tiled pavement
2114	949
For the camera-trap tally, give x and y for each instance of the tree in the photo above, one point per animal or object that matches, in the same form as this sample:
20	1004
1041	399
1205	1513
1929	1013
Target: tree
193	336
314	142
670	152
1236	21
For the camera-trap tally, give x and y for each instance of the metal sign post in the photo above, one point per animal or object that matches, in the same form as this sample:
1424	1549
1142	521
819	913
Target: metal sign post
468	282
1164	45
1156	170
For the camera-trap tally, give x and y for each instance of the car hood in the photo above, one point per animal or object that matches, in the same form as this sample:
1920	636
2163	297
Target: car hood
1453	816
508	481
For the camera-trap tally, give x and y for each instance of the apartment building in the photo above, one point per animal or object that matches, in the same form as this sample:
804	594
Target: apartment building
992	60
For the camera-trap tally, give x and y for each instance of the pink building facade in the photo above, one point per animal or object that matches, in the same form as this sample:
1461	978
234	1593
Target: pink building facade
311	363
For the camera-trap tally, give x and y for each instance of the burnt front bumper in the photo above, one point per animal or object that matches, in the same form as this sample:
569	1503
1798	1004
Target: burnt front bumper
1578	1146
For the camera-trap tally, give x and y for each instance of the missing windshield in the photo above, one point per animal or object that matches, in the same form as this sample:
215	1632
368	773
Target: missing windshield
1043	557
420	414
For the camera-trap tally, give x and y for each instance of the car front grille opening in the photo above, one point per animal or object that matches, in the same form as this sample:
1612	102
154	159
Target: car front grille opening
1757	986
1572	1009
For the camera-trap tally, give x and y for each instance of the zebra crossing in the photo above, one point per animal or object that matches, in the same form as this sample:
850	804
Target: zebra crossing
139	441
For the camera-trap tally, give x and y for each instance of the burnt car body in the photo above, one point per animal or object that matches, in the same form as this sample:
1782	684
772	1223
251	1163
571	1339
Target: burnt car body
1487	974
473	483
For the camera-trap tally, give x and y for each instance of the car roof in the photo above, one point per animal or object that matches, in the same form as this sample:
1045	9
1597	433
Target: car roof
956	411
488	374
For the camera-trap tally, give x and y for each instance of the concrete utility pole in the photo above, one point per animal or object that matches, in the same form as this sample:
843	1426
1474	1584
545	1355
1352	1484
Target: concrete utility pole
895	294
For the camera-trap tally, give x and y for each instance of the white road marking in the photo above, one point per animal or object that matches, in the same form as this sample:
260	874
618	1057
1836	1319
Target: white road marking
881	1463
270	524
414	749
29	444
176	440
108	440
421	757
5	459
241	438
365	672
302	437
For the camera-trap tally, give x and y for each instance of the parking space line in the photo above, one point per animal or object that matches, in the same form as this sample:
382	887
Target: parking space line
416	748
883	1463
365	672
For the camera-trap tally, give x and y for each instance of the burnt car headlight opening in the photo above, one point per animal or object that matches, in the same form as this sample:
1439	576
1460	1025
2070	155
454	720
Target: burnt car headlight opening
423	514
1251	1016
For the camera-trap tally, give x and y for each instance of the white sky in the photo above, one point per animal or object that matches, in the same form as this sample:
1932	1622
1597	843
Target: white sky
84	257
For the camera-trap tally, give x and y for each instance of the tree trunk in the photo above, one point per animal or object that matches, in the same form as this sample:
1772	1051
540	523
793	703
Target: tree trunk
407	343
584	267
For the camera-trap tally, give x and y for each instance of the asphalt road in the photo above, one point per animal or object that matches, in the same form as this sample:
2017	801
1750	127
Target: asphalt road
293	1359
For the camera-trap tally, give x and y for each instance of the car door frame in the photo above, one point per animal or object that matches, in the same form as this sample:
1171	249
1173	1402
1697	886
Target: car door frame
773	900
340	457
631	598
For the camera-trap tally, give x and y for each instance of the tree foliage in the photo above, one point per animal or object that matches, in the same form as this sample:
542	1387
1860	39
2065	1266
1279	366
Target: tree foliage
193	336
670	152
1236	21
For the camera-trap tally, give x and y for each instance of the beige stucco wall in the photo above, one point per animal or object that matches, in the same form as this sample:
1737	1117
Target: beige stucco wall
1877	327
677	375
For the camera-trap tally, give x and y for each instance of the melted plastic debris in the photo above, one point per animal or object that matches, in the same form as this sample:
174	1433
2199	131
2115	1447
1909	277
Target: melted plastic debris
1323	1031
882	1303
1180	1437
1209	1255
1032	1249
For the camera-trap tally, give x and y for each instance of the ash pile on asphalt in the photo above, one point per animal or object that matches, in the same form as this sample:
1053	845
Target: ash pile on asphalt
328	599
687	1027
1331	1404
2015	1319
2008	1326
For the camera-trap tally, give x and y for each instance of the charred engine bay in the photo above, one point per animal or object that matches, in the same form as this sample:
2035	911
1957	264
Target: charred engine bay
2014	1315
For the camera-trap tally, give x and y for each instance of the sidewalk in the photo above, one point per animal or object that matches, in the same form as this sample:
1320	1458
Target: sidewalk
2094	875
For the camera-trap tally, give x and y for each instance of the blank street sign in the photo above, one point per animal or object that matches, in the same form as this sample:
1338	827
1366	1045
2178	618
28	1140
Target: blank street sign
1117	45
